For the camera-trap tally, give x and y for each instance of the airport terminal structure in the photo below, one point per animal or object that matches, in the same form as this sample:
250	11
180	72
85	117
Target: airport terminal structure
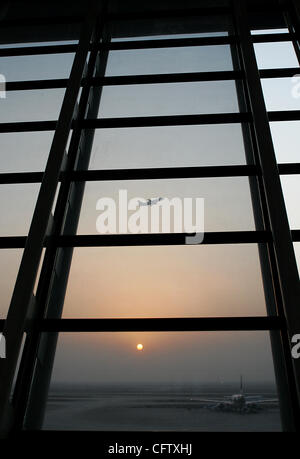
128	83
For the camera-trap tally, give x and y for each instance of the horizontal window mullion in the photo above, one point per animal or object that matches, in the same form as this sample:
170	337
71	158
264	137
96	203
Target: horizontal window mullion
172	120
143	44
126	80
270	38
21	177
168	43
161	325
149	173
112	46
289	169
148	79
12	242
37	50
134	240
279	73
36	84
296	235
167	78
284	115
135	174
164	173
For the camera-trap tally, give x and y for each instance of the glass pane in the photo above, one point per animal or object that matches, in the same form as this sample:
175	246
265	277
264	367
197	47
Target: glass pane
275	55
36	67
291	191
9	264
178	382
280	93
169	99
198	281
286	140
24	151
228	204
35	105
169	60
170	146
17	203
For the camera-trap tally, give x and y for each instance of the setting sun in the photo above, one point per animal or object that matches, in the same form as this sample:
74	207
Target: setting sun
140	347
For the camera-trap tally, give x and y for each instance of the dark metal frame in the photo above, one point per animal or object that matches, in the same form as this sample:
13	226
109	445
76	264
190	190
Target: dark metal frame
22	308
32	314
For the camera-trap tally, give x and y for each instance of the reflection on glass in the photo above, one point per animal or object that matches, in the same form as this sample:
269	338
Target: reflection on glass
17	204
170	60
198	281
24	151
168	28
168	146
269	31
39	43
169	99
177	382
170	37
9	264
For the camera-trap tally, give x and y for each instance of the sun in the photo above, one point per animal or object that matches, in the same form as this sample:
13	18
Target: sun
139	347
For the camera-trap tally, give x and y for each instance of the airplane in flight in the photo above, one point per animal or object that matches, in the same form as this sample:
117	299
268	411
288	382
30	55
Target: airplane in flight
150	202
240	403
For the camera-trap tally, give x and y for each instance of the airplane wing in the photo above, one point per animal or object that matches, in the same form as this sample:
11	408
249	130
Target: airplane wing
259	399
206	400
266	400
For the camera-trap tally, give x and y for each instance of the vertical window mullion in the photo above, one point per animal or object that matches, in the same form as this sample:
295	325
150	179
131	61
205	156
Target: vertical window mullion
22	301
71	200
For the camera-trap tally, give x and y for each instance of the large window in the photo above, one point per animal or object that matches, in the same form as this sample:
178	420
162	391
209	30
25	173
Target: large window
152	327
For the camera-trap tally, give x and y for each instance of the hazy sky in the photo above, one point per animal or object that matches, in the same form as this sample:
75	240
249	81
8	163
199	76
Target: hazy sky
167	357
158	281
